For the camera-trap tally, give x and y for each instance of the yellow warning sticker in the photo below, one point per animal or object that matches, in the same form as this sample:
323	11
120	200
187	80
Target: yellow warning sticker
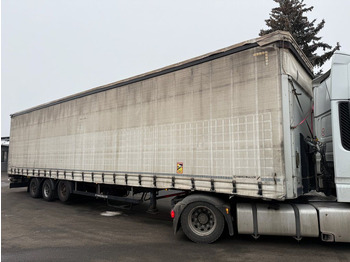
180	168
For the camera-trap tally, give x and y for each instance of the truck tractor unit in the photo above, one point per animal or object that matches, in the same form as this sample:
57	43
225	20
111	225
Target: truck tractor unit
248	138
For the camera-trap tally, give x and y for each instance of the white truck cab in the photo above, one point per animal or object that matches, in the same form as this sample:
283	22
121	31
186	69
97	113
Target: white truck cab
332	123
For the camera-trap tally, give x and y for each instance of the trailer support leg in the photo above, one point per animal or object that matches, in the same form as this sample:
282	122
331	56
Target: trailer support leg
153	202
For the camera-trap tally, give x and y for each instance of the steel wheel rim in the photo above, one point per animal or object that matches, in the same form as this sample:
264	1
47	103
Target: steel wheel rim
46	190
63	189
202	220
33	187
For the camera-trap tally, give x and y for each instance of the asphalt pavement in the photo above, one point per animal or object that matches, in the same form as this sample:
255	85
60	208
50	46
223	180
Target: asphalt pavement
36	230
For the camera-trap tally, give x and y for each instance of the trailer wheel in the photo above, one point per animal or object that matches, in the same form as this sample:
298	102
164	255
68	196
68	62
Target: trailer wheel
48	190
202	222
64	191
35	188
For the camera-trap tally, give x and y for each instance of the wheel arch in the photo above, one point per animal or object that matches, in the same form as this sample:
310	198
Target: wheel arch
217	202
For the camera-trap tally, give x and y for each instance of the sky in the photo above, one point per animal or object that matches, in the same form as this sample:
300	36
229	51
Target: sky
54	48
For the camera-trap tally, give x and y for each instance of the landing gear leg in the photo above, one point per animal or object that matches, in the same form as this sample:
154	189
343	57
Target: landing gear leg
153	202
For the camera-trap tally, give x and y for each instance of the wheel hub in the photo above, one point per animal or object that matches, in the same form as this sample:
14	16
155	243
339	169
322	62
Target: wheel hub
203	218
33	188
63	190
46	191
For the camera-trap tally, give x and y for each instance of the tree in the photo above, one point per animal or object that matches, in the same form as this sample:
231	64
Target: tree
290	16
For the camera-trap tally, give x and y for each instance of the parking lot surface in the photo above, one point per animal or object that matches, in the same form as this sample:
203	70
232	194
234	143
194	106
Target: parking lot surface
35	230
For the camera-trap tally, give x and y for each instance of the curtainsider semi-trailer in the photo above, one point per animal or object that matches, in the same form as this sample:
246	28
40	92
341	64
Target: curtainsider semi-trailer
234	130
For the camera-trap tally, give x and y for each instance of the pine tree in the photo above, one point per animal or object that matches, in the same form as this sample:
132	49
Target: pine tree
290	16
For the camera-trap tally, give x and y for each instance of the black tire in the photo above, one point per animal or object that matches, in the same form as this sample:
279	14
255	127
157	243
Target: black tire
48	190
35	188
202	222
64	191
